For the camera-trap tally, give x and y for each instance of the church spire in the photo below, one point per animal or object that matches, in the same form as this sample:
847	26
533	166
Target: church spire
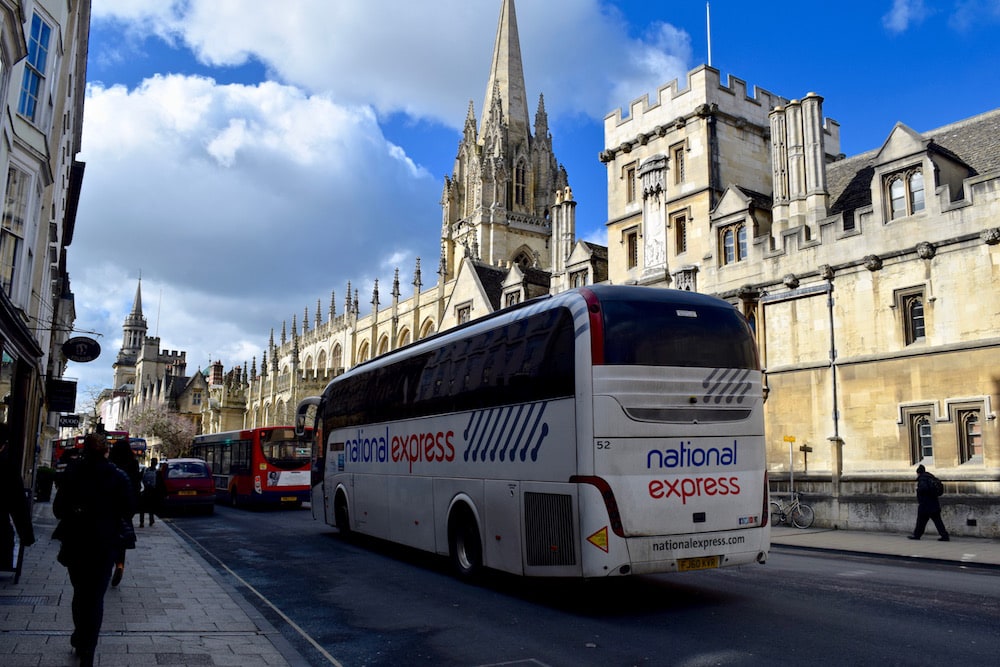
506	84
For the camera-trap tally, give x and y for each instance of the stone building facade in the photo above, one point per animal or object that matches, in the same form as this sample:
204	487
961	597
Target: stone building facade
43	70
871	281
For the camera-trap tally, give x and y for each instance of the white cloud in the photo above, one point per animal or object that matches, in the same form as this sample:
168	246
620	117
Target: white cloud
903	15
241	205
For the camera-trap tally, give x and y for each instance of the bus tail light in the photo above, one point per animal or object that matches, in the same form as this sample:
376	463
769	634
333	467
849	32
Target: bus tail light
614	516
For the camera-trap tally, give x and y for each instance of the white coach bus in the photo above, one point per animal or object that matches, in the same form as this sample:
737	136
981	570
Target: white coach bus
609	430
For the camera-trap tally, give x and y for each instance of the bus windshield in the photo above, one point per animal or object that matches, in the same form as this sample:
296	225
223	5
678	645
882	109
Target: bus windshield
283	450
663	333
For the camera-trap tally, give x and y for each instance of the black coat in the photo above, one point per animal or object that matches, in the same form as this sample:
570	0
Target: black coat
13	501
93	501
927	498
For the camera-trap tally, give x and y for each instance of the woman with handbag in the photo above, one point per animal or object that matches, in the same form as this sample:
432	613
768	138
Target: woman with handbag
93	502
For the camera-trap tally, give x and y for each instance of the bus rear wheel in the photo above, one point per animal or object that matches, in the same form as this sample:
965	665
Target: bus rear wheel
341	516
464	545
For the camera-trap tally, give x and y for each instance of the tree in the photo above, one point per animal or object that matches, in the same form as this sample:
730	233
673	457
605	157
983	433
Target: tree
174	431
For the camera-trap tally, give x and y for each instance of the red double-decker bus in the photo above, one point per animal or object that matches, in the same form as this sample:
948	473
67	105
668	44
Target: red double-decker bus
65	450
258	466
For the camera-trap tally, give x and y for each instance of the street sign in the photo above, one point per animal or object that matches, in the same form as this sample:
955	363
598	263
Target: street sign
69	421
789	438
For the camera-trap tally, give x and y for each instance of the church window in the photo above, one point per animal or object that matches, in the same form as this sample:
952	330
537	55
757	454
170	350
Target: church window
679	223
463	313
337	357
970	436
921	439
196	398
578	278
520	184
631	241
911	304
733	240
630	183
677	154
905	193
512	298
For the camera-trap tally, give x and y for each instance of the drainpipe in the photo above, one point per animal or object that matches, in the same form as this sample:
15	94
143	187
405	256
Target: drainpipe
836	442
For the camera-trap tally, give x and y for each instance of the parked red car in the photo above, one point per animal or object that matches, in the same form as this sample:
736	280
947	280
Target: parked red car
186	484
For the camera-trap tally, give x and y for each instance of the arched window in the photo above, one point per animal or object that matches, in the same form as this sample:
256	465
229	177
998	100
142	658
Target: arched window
383	345
970	436
921	437
913	308
917	191
520	184
905	193
337	358
733	243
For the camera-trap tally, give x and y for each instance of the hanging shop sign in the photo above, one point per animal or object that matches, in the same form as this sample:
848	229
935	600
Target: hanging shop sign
81	349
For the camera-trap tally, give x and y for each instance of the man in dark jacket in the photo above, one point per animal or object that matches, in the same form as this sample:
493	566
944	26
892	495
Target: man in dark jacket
928	507
13	505
93	501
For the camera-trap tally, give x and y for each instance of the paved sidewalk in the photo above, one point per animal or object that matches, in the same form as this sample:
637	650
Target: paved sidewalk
960	551
171	608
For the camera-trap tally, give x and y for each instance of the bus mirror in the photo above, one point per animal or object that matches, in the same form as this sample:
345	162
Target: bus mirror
301	415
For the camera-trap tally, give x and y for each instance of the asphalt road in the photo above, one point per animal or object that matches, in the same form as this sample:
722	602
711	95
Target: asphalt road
364	602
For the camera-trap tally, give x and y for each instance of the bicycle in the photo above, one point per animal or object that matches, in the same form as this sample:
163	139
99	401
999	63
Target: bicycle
794	512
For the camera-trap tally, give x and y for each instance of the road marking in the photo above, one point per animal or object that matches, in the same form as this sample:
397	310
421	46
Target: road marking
284	617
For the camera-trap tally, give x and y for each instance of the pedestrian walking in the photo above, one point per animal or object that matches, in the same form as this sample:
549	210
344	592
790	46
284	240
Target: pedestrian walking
123	458
93	501
929	488
13	506
150	493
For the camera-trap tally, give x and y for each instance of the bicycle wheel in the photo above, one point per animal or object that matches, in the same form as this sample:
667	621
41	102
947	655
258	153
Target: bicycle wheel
802	516
777	516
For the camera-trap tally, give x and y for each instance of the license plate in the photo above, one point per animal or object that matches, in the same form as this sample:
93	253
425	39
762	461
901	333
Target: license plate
288	499
700	563
187	492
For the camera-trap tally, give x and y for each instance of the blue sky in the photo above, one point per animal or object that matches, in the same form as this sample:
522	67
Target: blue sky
250	158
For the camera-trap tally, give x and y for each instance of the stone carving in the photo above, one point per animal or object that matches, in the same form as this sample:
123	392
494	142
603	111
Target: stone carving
791	282
926	250
990	236
873	262
826	272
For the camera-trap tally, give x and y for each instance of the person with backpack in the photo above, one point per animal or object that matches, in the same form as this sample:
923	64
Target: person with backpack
149	497
92	503
929	489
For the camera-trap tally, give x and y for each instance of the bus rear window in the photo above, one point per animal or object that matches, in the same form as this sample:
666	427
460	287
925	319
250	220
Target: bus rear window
652	333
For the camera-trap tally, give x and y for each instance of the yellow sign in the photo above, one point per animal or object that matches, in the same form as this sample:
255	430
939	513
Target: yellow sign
789	438
600	539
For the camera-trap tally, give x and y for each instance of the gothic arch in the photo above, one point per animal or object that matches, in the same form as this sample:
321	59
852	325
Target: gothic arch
363	352
403	338
523	256
427	328
383	345
321	362
337	357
